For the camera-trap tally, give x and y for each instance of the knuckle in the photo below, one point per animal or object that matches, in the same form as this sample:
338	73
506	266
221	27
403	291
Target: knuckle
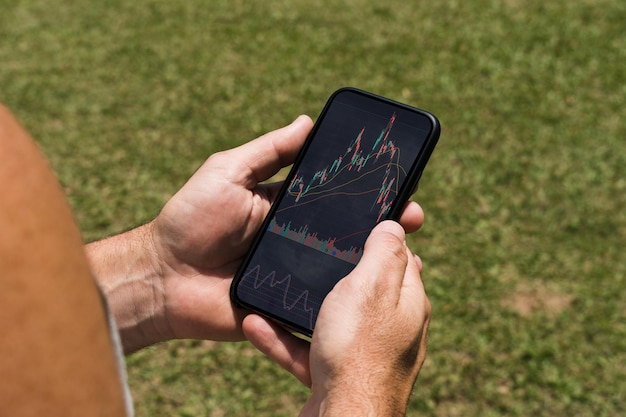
219	159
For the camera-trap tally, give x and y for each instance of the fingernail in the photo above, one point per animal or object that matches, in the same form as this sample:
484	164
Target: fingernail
301	117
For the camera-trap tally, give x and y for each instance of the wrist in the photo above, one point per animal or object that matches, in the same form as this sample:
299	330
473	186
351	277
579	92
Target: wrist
128	272
359	396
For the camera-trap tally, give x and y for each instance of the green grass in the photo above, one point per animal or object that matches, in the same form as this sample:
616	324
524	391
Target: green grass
525	196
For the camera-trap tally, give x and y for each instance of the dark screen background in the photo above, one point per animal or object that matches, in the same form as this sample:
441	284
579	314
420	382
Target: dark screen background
353	170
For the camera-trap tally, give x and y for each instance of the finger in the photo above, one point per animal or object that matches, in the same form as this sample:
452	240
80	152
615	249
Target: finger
412	276
278	344
385	255
412	217
413	294
418	260
266	155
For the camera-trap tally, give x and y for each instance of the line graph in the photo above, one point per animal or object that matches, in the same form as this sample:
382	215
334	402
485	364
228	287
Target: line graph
290	301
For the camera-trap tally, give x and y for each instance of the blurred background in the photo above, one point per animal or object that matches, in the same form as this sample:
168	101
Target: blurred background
525	230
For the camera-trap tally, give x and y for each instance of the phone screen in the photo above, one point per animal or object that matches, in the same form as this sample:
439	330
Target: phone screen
359	166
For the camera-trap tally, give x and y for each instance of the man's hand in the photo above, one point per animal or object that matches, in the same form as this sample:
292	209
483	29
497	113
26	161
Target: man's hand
370	337
170	278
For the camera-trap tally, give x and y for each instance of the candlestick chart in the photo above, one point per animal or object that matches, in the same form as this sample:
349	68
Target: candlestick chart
360	175
347	183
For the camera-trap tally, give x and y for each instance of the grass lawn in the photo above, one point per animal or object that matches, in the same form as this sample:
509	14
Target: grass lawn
525	196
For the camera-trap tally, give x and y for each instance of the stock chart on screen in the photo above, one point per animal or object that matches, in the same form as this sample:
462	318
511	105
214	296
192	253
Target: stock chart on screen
347	183
369	175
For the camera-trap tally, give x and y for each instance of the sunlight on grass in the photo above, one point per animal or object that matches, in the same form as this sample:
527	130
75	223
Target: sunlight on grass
525	229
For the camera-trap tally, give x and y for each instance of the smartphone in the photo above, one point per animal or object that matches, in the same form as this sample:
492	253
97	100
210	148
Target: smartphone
359	166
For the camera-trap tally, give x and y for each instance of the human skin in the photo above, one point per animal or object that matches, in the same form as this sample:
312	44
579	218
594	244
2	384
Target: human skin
370	337
170	279
56	357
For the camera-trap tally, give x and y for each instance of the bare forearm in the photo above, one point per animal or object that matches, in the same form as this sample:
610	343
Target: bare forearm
128	275
56	357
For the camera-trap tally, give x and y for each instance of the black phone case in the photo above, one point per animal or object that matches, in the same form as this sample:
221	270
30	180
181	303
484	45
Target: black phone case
401	198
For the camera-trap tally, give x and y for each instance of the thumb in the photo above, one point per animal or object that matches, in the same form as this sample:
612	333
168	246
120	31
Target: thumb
385	257
269	153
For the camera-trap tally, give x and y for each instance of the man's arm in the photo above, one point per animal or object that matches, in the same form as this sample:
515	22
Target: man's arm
129	274
56	357
171	277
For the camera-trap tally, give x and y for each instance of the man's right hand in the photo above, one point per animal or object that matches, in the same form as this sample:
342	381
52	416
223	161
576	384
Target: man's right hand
370	337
